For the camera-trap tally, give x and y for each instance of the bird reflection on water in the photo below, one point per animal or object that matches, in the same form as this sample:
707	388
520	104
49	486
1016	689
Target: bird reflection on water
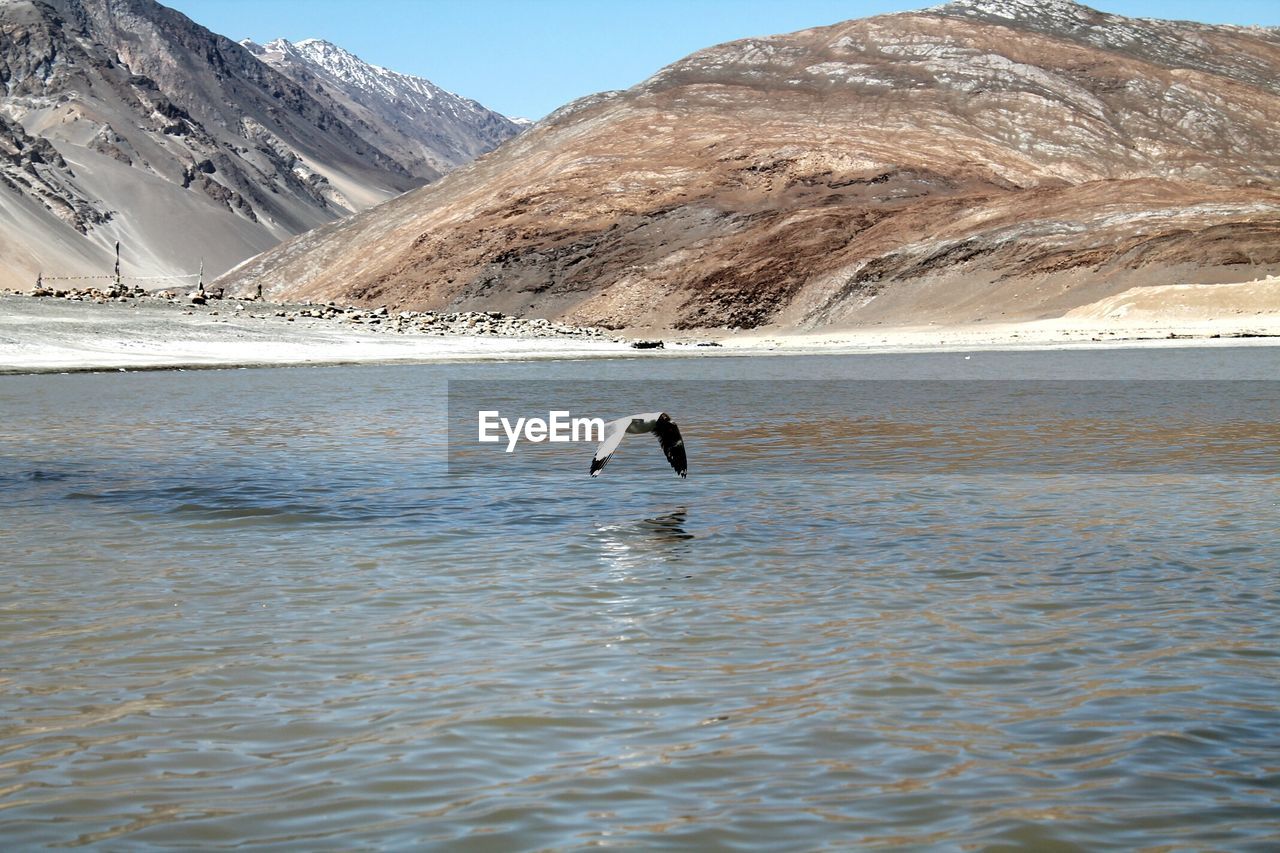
629	546
667	528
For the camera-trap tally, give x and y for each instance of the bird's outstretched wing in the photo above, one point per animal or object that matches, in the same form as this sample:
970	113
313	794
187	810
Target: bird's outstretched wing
613	433
672	444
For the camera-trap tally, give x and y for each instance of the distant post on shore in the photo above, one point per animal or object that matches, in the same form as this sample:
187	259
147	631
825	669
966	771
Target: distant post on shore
118	284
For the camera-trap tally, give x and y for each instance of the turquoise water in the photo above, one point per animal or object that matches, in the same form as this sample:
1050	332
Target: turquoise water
262	609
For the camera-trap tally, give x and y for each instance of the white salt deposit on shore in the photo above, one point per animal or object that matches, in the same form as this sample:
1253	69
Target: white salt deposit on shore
53	335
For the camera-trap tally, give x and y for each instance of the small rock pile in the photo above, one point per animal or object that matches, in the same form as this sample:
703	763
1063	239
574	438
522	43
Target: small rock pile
113	293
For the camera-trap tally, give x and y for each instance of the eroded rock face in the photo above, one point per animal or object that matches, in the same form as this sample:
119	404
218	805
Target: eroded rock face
985	159
32	167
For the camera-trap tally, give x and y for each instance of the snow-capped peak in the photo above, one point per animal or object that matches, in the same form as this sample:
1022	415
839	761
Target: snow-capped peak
354	72
445	128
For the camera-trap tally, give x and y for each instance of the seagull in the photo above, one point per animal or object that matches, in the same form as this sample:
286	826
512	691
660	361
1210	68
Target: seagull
658	423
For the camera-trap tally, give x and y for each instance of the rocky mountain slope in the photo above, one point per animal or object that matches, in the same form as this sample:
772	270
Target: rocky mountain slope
430	130
986	159
124	120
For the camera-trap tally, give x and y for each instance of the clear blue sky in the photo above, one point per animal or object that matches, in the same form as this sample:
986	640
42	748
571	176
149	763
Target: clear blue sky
527	57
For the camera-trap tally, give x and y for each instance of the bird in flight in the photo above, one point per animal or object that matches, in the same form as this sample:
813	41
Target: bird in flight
658	423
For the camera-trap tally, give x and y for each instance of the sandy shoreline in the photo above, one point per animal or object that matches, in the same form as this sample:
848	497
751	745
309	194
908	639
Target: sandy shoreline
1059	333
49	335
1165	315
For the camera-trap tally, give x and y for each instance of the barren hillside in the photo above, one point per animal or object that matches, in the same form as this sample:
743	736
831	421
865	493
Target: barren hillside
987	159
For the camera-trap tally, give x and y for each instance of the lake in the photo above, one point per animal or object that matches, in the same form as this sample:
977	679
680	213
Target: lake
940	601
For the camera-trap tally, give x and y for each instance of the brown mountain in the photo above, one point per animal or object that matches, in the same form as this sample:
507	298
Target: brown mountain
983	159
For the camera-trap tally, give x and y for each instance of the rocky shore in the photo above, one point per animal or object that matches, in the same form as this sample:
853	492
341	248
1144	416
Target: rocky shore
492	323
115	329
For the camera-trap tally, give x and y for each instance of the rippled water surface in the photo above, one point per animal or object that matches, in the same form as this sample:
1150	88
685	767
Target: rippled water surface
267	609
